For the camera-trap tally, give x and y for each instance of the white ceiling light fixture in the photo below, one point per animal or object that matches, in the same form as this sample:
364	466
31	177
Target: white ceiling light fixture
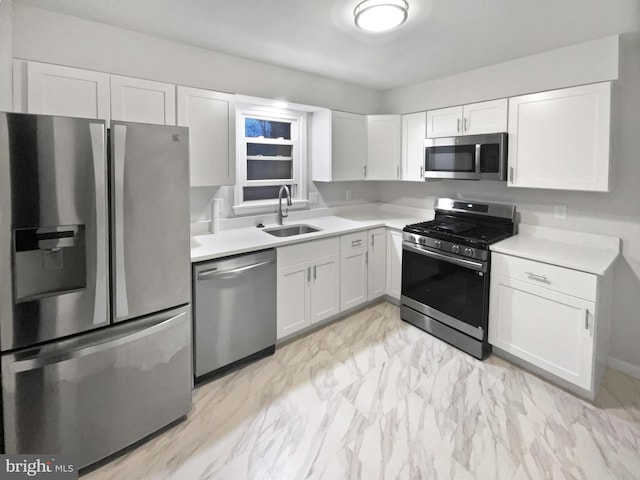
380	15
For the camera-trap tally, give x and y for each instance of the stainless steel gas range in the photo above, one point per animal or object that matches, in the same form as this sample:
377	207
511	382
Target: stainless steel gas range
445	271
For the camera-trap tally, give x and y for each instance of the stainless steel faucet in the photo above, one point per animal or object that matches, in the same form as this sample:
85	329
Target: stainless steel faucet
281	215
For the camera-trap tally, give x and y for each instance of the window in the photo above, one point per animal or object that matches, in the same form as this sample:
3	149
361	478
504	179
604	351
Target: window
271	153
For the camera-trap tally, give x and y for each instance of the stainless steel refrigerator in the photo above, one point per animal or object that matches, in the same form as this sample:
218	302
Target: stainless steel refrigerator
95	321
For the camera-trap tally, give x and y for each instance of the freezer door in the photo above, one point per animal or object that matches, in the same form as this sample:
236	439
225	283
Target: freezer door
150	218
53	228
100	393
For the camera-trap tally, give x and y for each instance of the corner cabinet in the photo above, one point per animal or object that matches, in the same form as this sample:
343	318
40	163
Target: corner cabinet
144	101
210	117
377	263
394	263
413	134
308	284
384	138
472	119
47	89
560	139
338	146
550	317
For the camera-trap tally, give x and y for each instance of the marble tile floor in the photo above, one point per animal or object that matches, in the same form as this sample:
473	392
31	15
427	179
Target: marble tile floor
371	397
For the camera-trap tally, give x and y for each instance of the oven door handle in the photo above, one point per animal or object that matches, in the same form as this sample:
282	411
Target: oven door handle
462	262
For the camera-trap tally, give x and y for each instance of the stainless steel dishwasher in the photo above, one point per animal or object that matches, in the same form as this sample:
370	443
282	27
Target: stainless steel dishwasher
234	311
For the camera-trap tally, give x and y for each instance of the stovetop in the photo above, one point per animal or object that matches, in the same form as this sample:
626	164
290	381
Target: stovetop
459	231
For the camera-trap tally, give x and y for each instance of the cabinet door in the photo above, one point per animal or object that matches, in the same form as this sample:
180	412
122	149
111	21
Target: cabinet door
293	298
414	128
445	122
325	288
560	139
57	90
383	147
348	146
377	263
353	278
144	101
394	263
485	117
210	117
550	330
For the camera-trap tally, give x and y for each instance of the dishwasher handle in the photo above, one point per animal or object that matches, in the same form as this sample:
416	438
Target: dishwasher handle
215	273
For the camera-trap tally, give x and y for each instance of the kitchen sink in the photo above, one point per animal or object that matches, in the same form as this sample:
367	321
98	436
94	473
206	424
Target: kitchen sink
290	230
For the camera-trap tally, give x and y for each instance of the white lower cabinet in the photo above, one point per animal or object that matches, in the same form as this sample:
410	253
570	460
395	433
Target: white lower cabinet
394	263
308	284
353	270
547	316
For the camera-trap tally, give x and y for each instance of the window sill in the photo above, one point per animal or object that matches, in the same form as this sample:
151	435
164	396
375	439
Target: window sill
270	206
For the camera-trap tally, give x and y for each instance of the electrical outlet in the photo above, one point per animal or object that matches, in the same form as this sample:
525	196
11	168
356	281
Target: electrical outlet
348	195
313	197
560	212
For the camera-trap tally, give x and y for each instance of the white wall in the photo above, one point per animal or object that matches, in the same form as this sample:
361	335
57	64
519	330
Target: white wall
6	53
616	213
588	62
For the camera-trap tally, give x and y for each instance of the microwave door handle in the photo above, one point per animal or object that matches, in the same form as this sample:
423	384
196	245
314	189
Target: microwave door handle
478	152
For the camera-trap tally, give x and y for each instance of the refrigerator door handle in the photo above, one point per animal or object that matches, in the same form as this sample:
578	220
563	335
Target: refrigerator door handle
100	309
119	142
93	347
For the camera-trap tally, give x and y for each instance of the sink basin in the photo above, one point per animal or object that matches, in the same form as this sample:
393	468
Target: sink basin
290	230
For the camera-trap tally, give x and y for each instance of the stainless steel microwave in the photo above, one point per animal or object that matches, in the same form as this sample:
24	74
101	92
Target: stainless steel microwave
468	157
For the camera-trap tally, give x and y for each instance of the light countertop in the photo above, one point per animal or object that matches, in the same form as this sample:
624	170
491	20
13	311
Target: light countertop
576	250
248	239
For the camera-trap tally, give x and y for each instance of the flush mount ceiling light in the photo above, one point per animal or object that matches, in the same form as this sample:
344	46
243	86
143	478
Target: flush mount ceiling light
380	15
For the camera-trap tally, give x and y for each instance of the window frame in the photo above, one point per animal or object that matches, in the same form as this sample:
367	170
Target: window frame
299	140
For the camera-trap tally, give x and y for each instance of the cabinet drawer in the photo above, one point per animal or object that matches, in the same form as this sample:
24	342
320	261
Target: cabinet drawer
560	279
353	240
306	251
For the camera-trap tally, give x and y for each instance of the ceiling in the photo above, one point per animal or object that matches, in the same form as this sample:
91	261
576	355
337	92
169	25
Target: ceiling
440	38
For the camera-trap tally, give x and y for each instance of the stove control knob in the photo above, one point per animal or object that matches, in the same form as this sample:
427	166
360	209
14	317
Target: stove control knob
437	244
422	240
455	249
468	252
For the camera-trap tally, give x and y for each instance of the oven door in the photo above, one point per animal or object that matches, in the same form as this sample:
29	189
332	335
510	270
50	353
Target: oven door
446	158
452	290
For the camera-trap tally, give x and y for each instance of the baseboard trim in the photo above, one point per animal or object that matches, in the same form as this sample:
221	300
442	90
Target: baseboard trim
624	367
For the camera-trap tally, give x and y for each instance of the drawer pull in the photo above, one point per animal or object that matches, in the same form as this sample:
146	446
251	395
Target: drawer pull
356	243
535	276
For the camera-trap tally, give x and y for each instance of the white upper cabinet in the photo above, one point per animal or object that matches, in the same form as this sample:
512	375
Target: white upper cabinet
560	139
473	119
48	89
144	101
338	146
414	127
444	122
383	147
485	117
210	117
